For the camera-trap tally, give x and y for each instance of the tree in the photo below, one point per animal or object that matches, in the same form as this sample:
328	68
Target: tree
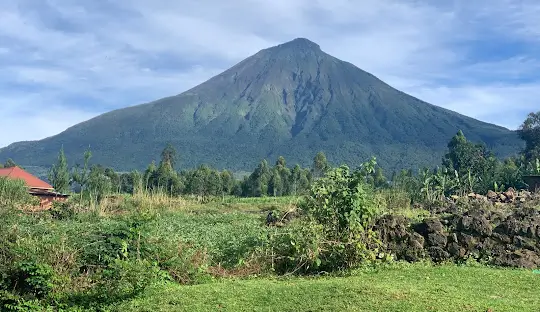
475	165
227	182
377	178
214	183
115	179
150	176
126	183
529	132
285	174
464	156
137	182
275	185
99	184
300	180
257	183
176	185
205	181
80	176
59	173
281	162
510	174
10	163
164	175
169	155
320	165
197	181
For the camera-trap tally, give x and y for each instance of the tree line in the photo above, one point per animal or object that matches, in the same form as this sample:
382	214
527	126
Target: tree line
97	181
470	167
466	167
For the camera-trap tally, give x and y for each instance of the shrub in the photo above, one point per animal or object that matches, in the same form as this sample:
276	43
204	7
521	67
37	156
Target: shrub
295	248
13	192
62	210
13	302
124	279
31	278
185	264
124	237
341	202
344	205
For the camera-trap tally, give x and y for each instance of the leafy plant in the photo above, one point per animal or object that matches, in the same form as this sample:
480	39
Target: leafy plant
12	302
13	192
124	279
33	278
62	210
498	188
59	173
529	131
344	205
296	248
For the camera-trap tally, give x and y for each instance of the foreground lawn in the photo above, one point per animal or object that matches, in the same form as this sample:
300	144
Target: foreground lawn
412	288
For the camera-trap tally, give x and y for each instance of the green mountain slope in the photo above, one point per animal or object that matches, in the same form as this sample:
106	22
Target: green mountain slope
292	100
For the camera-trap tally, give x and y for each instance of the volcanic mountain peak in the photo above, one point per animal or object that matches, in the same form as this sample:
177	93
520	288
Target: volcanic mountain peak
299	44
296	49
290	100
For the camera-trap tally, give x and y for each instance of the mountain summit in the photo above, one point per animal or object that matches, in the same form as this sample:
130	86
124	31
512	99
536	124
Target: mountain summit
298	45
293	100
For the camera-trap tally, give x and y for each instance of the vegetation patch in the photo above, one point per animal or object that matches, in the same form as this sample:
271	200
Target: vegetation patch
130	241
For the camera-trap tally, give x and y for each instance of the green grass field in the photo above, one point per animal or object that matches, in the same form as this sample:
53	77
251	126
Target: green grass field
410	288
226	233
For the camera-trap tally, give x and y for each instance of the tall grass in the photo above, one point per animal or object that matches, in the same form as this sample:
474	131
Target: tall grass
14	194
121	203
398	202
147	200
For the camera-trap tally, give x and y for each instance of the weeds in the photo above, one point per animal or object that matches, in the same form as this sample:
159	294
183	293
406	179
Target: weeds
14	193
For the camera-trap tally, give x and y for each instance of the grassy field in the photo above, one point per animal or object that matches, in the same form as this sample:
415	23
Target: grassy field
194	241
410	288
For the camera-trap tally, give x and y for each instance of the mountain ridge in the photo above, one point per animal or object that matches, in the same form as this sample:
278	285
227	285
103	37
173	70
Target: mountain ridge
292	99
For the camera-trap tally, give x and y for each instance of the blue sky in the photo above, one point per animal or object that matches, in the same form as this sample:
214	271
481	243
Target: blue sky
65	61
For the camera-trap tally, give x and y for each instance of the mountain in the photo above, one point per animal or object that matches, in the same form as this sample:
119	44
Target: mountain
293	100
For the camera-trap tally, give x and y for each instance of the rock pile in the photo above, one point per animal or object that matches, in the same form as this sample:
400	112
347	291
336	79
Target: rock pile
508	197
497	237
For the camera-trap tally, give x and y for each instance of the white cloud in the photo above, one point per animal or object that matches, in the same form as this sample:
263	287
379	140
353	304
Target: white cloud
84	59
506	104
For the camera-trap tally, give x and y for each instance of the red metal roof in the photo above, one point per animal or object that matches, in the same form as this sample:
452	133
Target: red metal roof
30	180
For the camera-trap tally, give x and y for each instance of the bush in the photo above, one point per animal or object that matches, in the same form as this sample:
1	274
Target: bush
344	205
35	261
13	302
184	263
124	237
341	202
30	278
295	248
123	279
13	193
62	210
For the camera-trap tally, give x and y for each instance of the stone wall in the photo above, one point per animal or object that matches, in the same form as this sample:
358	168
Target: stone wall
504	235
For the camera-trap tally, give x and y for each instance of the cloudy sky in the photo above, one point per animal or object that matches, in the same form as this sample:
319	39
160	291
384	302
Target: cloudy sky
65	61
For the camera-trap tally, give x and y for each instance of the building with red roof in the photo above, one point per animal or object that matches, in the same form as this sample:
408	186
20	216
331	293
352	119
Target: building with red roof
36	187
